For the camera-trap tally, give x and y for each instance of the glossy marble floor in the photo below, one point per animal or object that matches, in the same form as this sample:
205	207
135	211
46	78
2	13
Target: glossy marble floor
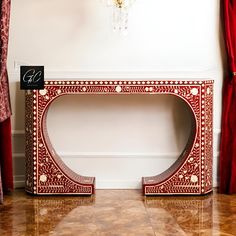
117	213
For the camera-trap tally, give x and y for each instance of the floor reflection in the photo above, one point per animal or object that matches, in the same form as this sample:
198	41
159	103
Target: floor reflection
117	212
23	214
47	214
181	215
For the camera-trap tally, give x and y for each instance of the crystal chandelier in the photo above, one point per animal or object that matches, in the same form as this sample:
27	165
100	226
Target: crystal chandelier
120	13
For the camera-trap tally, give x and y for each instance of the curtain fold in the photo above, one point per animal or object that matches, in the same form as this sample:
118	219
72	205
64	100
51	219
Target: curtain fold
228	126
1	192
6	155
6	180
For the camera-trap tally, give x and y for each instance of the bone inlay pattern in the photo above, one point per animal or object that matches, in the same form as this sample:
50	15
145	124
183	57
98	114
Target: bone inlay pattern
46	173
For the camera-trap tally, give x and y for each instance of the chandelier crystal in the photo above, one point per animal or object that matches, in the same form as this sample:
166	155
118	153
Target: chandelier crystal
120	13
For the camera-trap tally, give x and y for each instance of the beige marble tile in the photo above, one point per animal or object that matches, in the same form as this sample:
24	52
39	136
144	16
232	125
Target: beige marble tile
117	213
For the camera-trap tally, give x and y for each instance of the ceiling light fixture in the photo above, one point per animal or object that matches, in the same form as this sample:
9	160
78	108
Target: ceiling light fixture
120	13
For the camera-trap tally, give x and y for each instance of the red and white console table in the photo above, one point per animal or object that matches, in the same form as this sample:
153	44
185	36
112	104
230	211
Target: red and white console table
46	173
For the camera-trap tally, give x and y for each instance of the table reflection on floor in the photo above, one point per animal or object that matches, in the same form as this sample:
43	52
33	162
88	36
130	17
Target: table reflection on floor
117	212
180	215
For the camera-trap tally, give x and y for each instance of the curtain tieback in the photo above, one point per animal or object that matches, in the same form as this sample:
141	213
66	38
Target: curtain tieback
234	73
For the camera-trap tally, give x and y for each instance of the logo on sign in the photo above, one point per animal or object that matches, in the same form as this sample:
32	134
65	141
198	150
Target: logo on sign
32	77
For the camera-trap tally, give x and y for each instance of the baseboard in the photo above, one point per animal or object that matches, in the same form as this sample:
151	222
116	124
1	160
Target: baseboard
19	181
19	161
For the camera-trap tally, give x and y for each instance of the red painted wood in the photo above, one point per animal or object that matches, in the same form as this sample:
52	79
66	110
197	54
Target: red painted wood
190	174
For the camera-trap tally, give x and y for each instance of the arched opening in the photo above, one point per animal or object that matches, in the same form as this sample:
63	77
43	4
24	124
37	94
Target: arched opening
121	138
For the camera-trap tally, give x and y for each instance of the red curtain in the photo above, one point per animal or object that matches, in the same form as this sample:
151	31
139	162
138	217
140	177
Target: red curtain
228	129
6	178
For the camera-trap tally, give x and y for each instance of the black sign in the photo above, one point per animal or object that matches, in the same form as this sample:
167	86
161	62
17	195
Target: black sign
31	77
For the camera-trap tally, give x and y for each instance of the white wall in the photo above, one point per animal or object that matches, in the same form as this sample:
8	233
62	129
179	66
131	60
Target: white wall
118	139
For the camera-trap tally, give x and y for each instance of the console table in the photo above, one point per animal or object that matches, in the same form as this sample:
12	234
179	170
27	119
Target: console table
47	174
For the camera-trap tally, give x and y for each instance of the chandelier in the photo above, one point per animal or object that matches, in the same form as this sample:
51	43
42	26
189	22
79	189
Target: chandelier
120	13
